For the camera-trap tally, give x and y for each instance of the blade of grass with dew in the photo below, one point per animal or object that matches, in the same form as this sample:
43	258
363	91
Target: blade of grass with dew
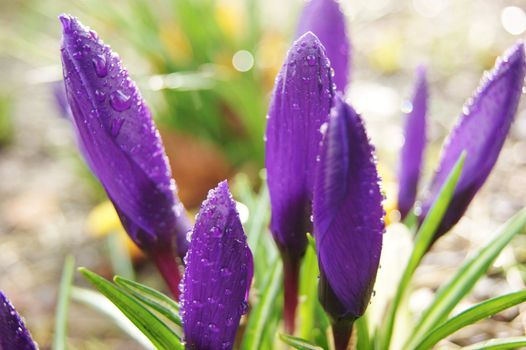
262	312
119	256
151	326
308	292
61	320
423	239
101	304
298	343
475	313
466	277
498	344
151	298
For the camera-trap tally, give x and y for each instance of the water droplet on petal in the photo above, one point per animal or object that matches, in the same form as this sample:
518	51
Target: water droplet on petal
101	65
311	60
116	125
100	95
120	101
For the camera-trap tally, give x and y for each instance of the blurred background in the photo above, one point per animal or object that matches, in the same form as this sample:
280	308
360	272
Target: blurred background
206	68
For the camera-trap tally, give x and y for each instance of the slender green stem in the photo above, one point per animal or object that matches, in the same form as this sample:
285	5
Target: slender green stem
61	321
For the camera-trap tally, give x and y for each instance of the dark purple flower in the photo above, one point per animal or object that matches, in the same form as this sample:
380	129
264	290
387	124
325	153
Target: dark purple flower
481	131
218	274
300	106
348	220
121	144
13	332
414	145
326	20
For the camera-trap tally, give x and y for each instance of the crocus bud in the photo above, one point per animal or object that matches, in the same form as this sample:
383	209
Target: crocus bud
481	131
300	106
326	20
218	274
13	332
348	220
122	146
414	145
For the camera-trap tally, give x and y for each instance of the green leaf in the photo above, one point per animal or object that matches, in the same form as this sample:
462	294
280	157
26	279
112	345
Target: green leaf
154	329
298	343
498	344
462	283
152	298
362	331
61	321
473	314
262	312
424	237
100	303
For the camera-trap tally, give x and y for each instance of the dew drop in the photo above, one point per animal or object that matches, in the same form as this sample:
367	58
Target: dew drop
100	95
120	101
93	34
406	107
101	65
295	106
215	232
116	125
225	272
311	60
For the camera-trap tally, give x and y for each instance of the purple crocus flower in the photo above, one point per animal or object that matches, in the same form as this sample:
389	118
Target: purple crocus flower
218	274
13	332
326	20
414	145
481	132
122	146
348	220
300	105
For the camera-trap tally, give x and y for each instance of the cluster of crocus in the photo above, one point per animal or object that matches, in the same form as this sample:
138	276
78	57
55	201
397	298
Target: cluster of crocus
330	190
480	131
122	146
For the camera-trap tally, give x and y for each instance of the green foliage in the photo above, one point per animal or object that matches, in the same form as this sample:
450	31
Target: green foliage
162	336
298	343
473	314
61	320
423	239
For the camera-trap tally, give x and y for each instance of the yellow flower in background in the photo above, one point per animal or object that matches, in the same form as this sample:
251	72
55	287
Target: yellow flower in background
175	42
230	17
103	220
390	190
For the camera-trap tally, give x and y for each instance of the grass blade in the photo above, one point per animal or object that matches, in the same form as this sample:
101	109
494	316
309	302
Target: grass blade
100	303
498	344
61	320
473	314
298	343
152	298
462	283
154	329
423	239
262	312
362	331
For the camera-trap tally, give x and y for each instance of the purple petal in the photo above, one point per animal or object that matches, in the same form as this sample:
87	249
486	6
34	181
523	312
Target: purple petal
119	140
481	132
218	274
300	105
13	332
415	142
326	20
348	215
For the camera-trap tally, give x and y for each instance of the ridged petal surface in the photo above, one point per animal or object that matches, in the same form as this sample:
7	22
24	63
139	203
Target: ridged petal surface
412	153
217	276
300	105
481	131
13	332
348	215
120	141
326	20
